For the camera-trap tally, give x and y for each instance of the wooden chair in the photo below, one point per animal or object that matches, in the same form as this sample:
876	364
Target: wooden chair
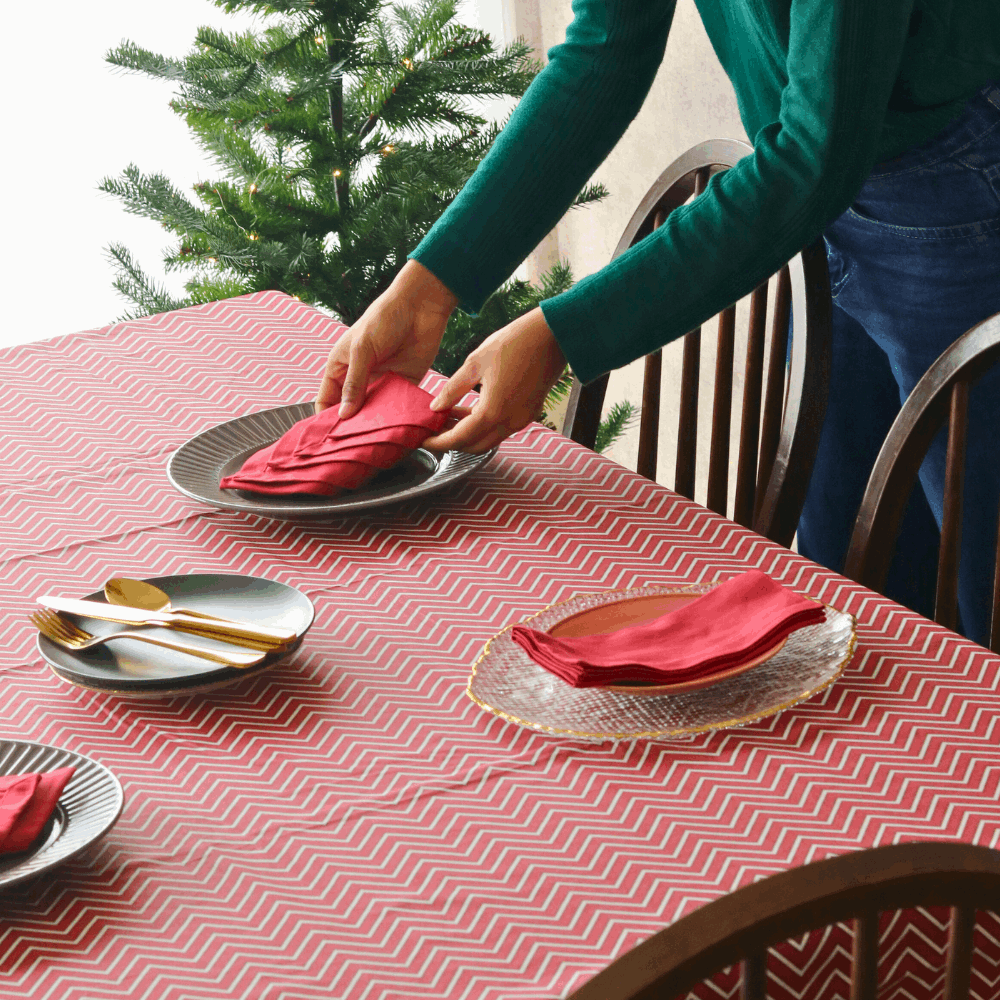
776	454
942	395
741	926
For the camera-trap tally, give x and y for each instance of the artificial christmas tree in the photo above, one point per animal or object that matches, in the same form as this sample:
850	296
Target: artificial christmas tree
343	129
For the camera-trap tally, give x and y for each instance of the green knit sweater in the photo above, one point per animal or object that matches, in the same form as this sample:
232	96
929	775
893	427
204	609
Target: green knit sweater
826	89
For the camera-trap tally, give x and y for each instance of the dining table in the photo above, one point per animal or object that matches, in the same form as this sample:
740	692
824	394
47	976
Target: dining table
349	823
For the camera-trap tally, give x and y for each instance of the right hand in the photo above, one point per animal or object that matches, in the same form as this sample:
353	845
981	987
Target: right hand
399	332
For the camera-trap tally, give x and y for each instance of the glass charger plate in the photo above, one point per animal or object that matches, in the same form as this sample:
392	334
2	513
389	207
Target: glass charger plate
138	668
506	682
87	809
197	466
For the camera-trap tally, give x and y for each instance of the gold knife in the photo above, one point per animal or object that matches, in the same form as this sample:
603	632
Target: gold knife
236	632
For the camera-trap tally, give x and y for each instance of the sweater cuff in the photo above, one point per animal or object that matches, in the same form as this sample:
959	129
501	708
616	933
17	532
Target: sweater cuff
443	257
587	346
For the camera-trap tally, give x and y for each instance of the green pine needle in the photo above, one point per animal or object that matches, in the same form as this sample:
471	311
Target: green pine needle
615	424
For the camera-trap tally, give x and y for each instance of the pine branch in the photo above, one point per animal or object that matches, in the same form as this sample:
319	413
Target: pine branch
342	129
615	424
130	57
591	194
135	285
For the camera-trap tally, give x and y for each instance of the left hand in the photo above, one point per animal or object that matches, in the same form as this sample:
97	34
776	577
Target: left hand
517	366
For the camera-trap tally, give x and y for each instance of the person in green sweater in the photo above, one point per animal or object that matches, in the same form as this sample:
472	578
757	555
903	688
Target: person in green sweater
875	124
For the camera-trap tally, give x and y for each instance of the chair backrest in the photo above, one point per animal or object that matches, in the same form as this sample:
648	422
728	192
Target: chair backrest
941	395
741	927
777	447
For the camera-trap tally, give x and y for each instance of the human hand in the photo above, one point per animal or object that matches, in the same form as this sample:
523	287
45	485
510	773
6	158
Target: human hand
517	366
399	332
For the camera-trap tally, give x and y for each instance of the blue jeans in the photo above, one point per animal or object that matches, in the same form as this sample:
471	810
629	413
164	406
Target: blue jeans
914	263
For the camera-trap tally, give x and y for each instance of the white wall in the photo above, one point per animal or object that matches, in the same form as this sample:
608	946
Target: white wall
70	120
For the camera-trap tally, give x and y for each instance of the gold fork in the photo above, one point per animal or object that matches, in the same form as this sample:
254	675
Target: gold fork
64	633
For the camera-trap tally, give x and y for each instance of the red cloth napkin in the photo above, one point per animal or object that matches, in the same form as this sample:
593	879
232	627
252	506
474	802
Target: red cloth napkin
732	624
326	455
26	803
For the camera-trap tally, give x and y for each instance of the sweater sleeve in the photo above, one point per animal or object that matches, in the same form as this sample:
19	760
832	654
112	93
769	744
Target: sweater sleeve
806	169
569	119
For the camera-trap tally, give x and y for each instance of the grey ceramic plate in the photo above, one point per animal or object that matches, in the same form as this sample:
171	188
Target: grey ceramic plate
197	466
88	807
127	666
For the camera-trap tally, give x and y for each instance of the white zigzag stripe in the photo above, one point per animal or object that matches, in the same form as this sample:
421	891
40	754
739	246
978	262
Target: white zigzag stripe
349	824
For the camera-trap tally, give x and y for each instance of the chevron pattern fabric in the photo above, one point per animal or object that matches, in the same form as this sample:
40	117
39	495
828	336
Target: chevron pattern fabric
349	824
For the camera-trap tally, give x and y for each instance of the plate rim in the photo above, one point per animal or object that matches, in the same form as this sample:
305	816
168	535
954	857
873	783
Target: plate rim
699	588
194	687
6	878
335	507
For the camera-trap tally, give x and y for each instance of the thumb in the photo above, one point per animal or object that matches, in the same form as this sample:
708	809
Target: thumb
352	394
456	387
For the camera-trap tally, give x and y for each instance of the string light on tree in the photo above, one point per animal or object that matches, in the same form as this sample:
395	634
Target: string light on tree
297	116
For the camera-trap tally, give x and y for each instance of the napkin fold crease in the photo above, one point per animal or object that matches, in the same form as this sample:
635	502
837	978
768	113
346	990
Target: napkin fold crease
732	624
325	455
26	803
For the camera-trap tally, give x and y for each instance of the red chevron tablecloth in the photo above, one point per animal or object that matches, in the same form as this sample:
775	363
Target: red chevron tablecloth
349	824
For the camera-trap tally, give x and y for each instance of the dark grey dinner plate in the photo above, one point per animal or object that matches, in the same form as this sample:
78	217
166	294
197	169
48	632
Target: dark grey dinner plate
197	466
88	807
133	667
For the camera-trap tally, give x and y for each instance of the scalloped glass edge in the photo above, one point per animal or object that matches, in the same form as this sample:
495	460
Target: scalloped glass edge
553	613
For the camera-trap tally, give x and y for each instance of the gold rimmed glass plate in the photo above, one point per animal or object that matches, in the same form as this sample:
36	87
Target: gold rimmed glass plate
89	806
508	683
197	466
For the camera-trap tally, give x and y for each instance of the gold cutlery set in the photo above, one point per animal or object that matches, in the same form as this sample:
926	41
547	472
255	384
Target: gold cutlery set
135	602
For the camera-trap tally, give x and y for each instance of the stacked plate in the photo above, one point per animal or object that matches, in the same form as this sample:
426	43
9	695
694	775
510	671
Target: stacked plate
127	666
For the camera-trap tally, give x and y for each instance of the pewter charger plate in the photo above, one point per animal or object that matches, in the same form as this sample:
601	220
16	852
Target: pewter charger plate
87	809
197	466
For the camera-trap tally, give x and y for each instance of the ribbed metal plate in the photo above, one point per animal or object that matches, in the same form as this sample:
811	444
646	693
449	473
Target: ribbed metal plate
197	466
88	807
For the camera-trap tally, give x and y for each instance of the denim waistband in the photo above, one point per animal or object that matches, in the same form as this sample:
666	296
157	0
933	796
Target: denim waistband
980	115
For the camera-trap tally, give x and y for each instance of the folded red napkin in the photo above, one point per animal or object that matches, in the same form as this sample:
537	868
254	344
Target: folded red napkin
26	803
732	624
326	455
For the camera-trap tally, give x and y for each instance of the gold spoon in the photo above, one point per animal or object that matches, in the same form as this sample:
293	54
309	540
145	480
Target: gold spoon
147	597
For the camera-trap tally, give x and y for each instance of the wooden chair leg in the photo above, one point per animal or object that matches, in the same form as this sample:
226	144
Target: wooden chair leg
774	398
649	424
959	970
753	378
753	979
583	412
718	461
864	974
687	425
946	599
995	618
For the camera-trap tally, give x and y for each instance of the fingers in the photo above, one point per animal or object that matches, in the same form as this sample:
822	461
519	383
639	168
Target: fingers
329	392
466	378
359	366
478	432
